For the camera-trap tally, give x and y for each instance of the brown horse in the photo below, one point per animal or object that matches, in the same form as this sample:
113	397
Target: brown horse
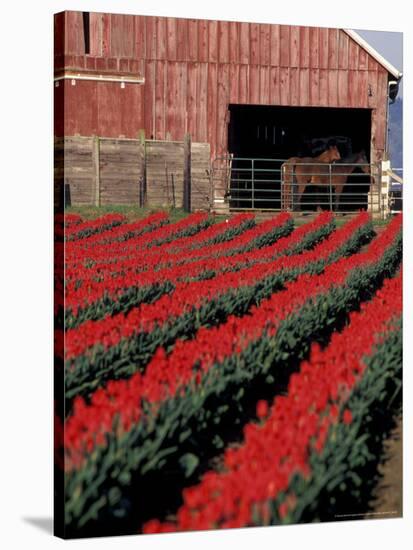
340	172
305	170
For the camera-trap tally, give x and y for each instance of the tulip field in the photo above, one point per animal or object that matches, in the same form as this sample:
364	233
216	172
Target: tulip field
223	373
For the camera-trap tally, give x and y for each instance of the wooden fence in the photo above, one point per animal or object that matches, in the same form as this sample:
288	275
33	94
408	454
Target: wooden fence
104	171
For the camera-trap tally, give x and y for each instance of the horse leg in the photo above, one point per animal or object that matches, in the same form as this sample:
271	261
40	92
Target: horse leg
302	184
338	190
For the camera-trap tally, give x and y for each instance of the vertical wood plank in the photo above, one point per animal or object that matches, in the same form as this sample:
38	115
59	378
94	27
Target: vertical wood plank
343	88
149	96
160	99
343	45
59	34
304	46
182	39
314	48
362	98
284	85
275	45
254	43
203	44
106	51
130	110
314	87
140	37
265	85
372	89
96	32
140	107
353	55
372	64
244	83
223	41
234	41
304	86
244	43
234	70
333	88
362	59
171	46
213	41
265	44
254	84
275	86
74	35
222	106
352	88
128	42
150	33
323	46
121	35
182	118
294	86
323	87
108	105
192	98
284	46
295	46
202	107
161	37
81	108
333	48
212	107
170	98
193	40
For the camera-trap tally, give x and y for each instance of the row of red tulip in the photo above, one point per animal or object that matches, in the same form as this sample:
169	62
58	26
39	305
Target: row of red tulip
164	234
88	270
259	470
158	257
88	291
70	219
86	228
110	330
167	375
119	233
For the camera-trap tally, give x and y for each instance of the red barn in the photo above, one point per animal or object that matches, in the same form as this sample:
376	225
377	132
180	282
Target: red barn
250	89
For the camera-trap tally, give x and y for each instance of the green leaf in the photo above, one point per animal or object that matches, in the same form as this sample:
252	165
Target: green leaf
189	462
184	435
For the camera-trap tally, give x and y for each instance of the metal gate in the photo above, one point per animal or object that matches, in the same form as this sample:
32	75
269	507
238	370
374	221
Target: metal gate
261	184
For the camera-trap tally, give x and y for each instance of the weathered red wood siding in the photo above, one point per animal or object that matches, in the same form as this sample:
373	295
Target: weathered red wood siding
193	69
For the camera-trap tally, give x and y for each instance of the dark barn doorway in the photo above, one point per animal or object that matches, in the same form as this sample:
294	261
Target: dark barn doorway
277	133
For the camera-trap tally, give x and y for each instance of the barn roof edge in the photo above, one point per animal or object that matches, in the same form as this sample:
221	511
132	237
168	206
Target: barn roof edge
374	53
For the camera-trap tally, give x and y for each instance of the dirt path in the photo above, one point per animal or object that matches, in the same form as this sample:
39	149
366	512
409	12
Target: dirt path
387	497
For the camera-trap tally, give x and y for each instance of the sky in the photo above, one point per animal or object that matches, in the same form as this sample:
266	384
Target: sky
389	45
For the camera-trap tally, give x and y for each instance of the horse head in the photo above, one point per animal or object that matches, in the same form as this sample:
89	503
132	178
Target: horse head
362	159
333	153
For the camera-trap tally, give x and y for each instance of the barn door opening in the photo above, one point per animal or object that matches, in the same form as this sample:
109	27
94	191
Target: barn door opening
271	134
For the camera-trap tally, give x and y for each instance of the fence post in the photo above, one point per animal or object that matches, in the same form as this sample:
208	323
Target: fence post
187	173
331	189
142	152
384	180
96	168
252	185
